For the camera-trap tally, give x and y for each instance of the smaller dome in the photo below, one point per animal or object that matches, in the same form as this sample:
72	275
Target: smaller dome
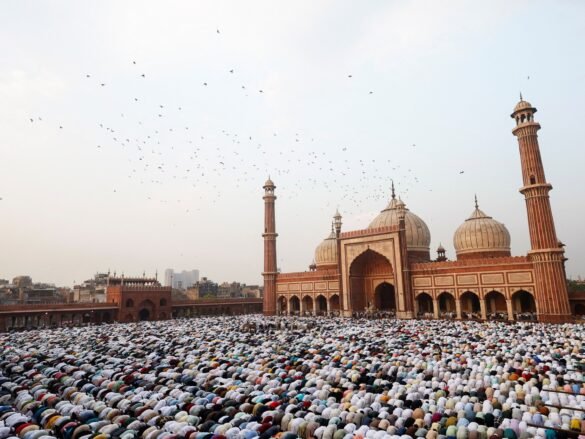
269	183
440	249
481	236
326	252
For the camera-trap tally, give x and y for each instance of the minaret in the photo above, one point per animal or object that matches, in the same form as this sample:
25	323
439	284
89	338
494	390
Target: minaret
269	235
546	253
407	312
337	224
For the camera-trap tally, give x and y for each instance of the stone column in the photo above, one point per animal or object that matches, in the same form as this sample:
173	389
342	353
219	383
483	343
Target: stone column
482	306
510	309
458	308
436	308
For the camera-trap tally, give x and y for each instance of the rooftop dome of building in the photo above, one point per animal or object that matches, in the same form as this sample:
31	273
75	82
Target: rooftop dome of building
418	236
269	183
326	252
481	236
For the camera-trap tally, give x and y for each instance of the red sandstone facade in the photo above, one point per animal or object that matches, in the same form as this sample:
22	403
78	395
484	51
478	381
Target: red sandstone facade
139	299
387	266
127	300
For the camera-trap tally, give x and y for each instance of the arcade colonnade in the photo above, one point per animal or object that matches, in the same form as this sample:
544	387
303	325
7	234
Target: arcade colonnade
308	304
53	318
520	305
494	305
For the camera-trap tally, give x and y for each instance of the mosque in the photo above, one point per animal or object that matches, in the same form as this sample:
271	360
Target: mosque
387	267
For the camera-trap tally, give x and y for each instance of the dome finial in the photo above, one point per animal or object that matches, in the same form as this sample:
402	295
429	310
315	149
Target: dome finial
393	193
521	97
476	205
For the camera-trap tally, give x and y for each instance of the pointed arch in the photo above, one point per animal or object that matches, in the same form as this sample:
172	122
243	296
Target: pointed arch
307	305
447	307
334	303
366	268
294	305
321	305
426	308
523	305
282	305
496	307
385	297
470	305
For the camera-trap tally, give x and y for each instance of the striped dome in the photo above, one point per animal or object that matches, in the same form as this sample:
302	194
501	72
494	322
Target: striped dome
418	236
326	252
481	234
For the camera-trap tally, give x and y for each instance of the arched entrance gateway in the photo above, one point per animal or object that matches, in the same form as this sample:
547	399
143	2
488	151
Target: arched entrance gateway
447	307
470	306
321	305
282	305
425	306
496	306
384	297
295	305
367	269
307	305
523	305
334	303
146	310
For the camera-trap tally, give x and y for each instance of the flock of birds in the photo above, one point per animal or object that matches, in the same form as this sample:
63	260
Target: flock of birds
162	147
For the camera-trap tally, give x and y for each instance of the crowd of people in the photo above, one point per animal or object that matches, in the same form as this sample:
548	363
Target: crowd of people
252	377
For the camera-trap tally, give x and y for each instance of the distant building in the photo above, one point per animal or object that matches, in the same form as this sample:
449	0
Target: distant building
206	288
183	280
22	290
91	290
252	291
227	289
139	298
22	281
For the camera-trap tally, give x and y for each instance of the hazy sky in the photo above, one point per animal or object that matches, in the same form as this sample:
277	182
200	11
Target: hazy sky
161	171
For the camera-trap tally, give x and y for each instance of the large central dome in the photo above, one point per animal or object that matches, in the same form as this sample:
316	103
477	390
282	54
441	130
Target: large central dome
418	236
